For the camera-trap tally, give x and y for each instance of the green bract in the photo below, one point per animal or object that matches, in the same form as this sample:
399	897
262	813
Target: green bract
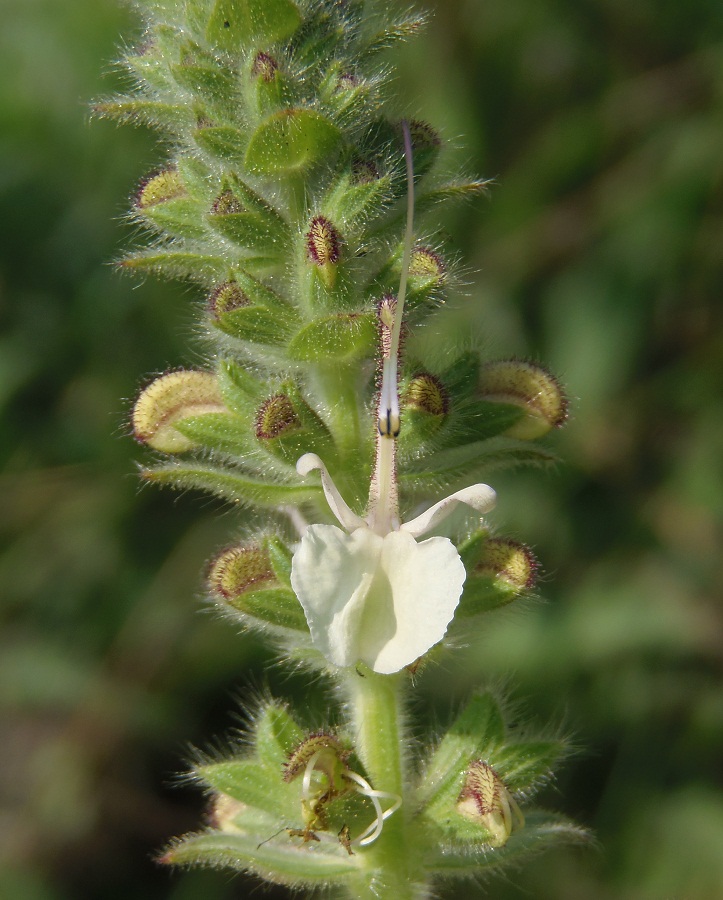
284	200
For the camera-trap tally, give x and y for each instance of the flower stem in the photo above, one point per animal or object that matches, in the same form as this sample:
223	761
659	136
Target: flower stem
375	702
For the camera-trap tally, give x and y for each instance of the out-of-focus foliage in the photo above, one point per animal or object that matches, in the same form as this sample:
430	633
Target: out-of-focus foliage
599	252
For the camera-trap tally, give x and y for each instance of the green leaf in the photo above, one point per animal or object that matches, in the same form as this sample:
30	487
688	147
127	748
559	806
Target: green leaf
238	488
475	733
280	557
276	736
237	24
528	764
223	142
290	140
253	323
276	606
483	594
250	782
351	200
541	831
282	860
241	392
341	337
213	85
472	460
178	263
175	118
252	232
180	216
219	431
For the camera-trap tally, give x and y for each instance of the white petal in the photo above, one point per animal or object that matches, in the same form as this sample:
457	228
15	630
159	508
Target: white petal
384	601
331	574
346	516
426	582
480	497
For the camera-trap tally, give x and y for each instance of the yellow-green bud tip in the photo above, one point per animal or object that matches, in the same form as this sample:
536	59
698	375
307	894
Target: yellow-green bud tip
426	393
530	387
510	562
170	399
160	188
234	571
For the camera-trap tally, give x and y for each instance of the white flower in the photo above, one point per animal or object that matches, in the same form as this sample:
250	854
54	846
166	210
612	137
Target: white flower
371	592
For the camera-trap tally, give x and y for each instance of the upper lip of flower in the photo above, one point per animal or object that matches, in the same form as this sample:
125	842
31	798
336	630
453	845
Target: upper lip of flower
481	497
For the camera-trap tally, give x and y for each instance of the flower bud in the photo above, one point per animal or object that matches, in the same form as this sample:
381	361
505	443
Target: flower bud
425	393
323	246
237	570
426	144
330	753
226	204
426	265
160	188
245	579
529	387
276	417
485	799
364	171
225	298
169	400
508	563
264	67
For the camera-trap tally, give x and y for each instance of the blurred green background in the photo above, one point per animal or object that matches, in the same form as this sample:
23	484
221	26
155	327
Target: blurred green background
599	251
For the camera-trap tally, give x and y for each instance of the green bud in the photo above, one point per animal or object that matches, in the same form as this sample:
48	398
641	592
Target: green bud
243	579
498	571
530	388
169	400
287	426
426	394
426	144
276	417
247	220
160	188
509	562
332	757
163	201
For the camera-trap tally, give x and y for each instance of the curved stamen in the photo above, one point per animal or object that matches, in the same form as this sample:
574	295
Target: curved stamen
372	832
480	497
346	516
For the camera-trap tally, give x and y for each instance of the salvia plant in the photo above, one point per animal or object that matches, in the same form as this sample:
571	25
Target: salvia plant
298	201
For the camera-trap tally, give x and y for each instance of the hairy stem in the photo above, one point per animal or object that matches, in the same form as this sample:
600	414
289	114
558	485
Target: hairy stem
376	707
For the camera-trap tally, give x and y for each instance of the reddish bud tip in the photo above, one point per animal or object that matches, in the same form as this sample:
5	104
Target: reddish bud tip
226	203
323	242
225	298
275	417
264	67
